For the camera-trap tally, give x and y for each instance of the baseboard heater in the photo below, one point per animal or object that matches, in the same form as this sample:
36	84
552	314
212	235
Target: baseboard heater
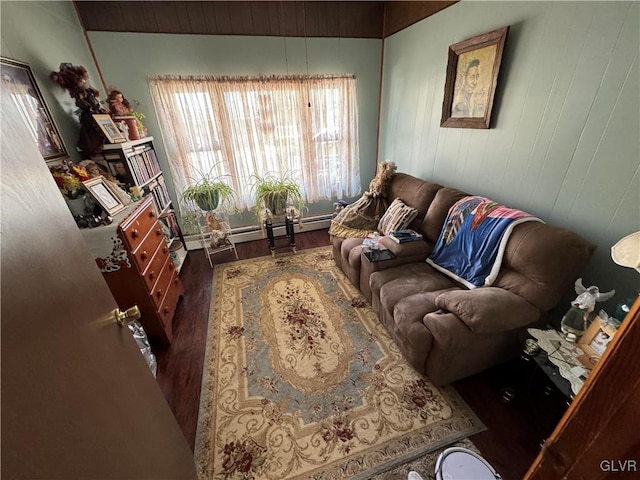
253	232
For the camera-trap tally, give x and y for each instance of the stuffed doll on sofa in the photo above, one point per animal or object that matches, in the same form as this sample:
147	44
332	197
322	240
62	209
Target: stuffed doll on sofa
361	218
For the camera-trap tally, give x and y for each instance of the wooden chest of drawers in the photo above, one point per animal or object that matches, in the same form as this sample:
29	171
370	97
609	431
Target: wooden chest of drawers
149	279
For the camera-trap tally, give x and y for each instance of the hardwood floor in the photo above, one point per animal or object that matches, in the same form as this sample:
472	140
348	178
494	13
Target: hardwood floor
513	435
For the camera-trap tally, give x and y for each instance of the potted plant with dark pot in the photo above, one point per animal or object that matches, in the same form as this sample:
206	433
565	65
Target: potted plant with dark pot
208	193
275	192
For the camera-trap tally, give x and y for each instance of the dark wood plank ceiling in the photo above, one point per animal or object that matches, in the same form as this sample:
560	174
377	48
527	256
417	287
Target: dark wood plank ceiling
399	15
269	18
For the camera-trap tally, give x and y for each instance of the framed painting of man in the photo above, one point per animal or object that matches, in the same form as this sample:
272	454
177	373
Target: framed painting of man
472	76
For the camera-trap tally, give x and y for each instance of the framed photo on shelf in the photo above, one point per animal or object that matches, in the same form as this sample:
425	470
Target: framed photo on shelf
472	76
110	130
20	85
594	342
120	173
103	194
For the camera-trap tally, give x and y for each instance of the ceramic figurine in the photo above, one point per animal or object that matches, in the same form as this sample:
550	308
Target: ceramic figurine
574	322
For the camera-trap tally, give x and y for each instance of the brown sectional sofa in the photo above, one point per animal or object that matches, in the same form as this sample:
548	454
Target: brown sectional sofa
445	330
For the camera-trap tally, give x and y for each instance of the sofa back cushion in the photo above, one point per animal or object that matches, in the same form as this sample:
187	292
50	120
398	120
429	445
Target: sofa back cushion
433	221
414	192
541	262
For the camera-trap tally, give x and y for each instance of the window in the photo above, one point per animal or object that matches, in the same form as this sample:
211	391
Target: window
306	126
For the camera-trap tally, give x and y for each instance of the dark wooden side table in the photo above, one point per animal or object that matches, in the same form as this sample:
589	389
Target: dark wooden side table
552	373
533	385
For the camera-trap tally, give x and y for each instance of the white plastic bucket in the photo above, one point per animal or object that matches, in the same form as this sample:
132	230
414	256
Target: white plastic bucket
457	463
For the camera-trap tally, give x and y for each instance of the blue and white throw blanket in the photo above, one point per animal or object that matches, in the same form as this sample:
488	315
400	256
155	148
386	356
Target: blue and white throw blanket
473	239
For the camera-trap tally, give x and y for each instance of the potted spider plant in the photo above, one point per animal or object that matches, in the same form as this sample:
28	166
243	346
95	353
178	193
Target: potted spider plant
275	192
209	192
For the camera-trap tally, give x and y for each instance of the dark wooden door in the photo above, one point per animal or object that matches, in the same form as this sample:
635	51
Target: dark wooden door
599	435
78	399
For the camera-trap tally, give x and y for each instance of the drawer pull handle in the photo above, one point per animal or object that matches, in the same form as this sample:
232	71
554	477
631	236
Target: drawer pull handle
151	275
171	266
165	249
134	233
166	309
152	214
158	232
144	255
159	293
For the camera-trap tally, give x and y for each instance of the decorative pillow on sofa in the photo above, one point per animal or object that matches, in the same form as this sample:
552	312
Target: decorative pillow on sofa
398	216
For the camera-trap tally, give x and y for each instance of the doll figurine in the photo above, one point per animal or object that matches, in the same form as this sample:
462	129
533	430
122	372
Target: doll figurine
121	109
74	79
118	105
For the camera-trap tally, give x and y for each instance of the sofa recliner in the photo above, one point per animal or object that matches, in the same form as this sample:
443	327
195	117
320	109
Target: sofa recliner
445	330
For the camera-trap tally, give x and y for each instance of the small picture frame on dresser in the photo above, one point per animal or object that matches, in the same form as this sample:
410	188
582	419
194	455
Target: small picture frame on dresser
102	193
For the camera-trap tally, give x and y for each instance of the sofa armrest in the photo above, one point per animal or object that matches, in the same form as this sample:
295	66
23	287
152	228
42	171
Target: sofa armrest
413	250
409	252
488	309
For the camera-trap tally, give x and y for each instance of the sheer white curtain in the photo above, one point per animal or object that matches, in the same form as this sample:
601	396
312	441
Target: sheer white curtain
306	126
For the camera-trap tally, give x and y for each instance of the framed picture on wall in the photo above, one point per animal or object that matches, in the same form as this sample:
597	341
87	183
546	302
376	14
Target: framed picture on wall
18	82
472	76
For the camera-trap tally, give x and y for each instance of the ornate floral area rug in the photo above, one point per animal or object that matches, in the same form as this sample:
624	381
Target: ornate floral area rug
301	381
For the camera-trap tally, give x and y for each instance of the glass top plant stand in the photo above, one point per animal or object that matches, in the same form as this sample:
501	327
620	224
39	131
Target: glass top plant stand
269	222
215	234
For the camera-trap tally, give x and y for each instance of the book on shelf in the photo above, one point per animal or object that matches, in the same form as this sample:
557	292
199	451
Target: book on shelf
160	194
405	235
136	149
168	218
107	156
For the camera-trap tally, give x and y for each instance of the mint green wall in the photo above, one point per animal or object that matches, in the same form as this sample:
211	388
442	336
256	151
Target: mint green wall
127	59
564	138
564	141
45	34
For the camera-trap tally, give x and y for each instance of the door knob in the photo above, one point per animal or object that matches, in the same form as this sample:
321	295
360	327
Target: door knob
127	316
